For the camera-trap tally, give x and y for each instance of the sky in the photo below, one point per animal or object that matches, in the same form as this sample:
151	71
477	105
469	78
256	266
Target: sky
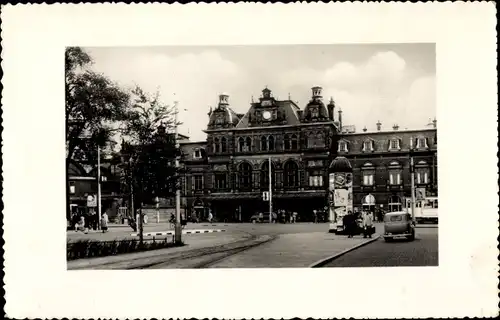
393	83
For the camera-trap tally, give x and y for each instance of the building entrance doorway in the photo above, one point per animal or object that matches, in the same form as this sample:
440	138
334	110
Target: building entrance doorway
395	204
368	203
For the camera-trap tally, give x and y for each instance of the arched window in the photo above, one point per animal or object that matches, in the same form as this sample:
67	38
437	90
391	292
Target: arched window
291	174
295	143
263	143
264	176
248	142
241	144
270	143
223	144
216	145
287	142
245	175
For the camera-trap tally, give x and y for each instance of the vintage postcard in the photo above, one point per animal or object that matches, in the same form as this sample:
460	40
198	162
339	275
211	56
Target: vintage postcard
177	168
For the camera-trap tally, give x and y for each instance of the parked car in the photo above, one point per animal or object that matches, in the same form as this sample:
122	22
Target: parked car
265	217
398	224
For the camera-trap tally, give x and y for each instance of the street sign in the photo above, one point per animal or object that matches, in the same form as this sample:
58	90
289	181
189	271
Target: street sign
265	195
91	201
420	193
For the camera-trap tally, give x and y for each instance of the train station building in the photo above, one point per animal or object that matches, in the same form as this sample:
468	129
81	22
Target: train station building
228	173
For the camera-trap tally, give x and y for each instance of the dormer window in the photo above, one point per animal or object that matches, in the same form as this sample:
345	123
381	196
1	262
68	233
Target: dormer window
343	146
421	143
394	144
368	146
197	154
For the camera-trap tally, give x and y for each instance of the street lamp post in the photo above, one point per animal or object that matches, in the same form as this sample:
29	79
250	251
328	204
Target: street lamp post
178	227
157	200
270	193
412	174
99	187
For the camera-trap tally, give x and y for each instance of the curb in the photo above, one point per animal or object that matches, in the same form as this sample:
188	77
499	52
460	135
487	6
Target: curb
322	262
165	233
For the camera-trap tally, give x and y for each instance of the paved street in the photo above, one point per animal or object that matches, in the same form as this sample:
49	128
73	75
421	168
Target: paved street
267	246
240	246
400	253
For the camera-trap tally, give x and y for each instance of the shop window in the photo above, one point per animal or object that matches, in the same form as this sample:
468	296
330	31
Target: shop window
315	181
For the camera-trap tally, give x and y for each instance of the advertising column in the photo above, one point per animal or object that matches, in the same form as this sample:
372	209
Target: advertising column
340	193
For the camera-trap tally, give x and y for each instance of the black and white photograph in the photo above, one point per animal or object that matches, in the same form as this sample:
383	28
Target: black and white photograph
250	161
221	157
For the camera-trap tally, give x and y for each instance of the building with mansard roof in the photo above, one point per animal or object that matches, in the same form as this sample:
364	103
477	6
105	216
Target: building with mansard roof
228	173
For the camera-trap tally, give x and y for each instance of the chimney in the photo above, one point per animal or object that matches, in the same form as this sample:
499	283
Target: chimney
340	120
316	92
364	129
379	125
395	127
331	110
434	123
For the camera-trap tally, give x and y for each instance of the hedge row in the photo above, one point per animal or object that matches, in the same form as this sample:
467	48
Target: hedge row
91	248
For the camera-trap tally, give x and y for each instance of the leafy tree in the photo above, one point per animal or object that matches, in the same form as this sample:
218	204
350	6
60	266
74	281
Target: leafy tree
150	152
94	104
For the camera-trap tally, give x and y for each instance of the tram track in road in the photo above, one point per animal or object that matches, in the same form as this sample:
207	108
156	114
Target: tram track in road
211	256
191	258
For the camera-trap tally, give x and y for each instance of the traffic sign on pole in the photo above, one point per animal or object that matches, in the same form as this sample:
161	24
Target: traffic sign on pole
265	195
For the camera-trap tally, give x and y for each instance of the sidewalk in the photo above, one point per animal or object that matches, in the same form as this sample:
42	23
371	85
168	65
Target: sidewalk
292	251
126	260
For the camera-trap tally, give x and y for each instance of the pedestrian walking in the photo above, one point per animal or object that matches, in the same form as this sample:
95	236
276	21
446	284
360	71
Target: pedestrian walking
294	216
210	216
104	222
145	219
350	224
367	224
315	214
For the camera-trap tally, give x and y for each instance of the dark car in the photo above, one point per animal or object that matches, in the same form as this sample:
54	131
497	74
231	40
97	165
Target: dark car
398	225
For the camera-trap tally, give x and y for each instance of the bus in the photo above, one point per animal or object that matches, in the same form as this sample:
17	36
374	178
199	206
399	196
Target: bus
426	210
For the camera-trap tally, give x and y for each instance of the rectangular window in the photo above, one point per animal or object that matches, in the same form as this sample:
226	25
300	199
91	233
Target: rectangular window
394	178
343	146
421	143
315	181
367	146
395	144
197	154
72	188
198	182
368	179
426	178
220	181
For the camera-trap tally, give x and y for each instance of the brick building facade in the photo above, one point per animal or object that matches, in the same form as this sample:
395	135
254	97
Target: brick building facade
228	172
